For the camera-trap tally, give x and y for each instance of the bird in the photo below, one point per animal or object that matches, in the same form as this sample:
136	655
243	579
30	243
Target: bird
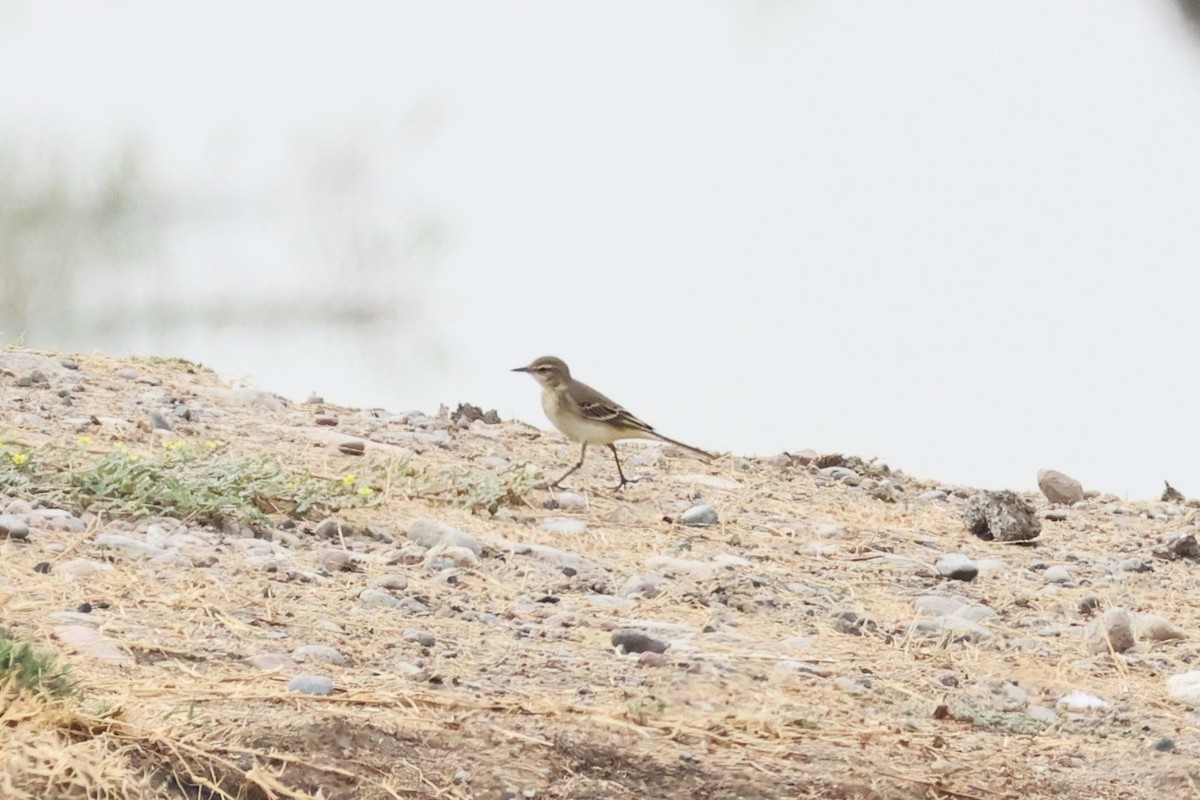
588	417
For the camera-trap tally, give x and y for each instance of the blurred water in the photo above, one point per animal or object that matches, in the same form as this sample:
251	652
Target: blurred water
959	236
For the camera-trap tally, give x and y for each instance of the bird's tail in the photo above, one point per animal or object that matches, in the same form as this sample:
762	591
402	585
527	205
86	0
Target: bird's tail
688	447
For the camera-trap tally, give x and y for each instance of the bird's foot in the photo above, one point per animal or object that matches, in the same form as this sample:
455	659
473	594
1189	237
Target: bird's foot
625	481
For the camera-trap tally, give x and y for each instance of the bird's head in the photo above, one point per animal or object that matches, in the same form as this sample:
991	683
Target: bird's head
548	371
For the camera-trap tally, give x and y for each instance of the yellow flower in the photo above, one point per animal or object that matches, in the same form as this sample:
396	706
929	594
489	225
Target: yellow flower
84	440
210	444
173	444
365	491
131	458
19	458
349	480
120	445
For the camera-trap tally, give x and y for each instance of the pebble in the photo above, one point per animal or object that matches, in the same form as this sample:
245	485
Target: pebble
18	508
422	638
569	501
701	570
92	643
563	559
708	481
563	525
334	560
318	652
699	516
1059	488
1056	574
1079	700
1155	628
79	568
933	495
1185	688
641	584
411	671
1113	627
849	686
953	605
842	475
13	528
311	684
1180	544
1001	516
389	581
431	533
956	566
457	556
378	597
159	421
128	546
628	640
653	659
269	661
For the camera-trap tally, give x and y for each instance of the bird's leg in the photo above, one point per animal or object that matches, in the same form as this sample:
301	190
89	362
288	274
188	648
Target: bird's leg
567	474
624	480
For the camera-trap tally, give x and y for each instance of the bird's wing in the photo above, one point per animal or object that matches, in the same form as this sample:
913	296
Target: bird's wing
596	406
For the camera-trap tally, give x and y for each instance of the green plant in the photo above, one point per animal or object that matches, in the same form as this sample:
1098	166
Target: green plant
33	671
483	491
191	481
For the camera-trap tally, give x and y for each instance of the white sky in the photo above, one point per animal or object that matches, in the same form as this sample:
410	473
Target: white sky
960	236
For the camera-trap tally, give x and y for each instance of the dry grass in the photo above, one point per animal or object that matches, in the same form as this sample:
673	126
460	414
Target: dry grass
521	704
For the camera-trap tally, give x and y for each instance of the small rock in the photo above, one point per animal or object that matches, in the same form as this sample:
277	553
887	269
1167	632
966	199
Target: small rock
1059	488
422	638
13	528
699	516
853	623
1185	688
333	529
1056	574
1179	544
931	496
269	661
1154	628
129	547
956	566
1001	516
629	640
311	684
1080	701
653	659
411	671
327	420
1134	564
79	568
159	421
457	556
569	501
641	584
320	653
842	475
354	447
92	643
1164	745
389	581
128	374
1112	628
563	525
849	686
378	597
430	533
334	560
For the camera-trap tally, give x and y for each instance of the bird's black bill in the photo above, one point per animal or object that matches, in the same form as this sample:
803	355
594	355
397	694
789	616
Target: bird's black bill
521	369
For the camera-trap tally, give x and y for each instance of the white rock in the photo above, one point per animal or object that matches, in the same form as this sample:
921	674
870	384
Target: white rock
1154	628
1185	688
1080	701
1113	628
